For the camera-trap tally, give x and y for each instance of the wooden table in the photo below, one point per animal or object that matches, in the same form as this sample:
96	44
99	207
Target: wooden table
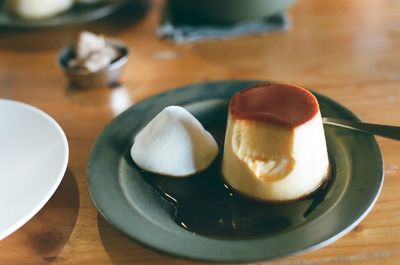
347	50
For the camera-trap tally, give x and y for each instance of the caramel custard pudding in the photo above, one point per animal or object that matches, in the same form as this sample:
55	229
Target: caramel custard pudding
275	147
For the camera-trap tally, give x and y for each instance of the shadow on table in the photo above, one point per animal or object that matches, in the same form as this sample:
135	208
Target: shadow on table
54	38
123	250
42	238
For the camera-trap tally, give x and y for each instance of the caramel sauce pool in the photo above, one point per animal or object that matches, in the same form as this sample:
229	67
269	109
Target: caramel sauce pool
205	205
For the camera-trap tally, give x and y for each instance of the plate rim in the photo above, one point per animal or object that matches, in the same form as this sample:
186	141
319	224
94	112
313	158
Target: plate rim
182	89
57	179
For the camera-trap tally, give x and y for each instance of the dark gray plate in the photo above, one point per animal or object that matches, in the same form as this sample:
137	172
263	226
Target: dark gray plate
127	201
76	15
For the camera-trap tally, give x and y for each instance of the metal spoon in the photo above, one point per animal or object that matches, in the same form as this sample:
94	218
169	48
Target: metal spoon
388	131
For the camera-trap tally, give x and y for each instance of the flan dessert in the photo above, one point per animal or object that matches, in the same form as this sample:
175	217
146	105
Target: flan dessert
275	148
175	144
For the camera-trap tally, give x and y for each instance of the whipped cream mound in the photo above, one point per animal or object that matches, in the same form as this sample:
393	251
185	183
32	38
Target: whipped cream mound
38	9
174	143
93	53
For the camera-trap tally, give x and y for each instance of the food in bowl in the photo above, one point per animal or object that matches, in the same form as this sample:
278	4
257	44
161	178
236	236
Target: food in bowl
94	61
92	53
38	9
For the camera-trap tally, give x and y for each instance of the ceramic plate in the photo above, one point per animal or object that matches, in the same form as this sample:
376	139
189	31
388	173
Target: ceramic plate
77	14
33	160
124	199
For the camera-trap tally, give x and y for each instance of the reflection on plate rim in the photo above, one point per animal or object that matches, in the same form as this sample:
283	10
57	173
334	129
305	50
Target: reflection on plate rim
16	104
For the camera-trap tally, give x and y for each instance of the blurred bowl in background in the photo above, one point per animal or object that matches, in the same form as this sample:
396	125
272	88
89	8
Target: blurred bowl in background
226	11
107	76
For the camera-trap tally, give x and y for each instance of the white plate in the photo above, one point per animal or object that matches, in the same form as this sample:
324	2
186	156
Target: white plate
33	159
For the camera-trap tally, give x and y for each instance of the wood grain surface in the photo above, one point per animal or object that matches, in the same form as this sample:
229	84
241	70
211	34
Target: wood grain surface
348	50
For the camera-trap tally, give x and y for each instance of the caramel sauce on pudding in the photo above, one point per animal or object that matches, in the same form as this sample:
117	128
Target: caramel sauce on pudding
281	104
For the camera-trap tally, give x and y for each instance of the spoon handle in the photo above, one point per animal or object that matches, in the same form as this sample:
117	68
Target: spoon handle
388	131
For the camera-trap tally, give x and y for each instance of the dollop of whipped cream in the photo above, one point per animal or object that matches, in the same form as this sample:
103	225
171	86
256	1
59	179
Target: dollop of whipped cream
174	143
93	53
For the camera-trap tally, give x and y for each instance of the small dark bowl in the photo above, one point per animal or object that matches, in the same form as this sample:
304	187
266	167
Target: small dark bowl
107	76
